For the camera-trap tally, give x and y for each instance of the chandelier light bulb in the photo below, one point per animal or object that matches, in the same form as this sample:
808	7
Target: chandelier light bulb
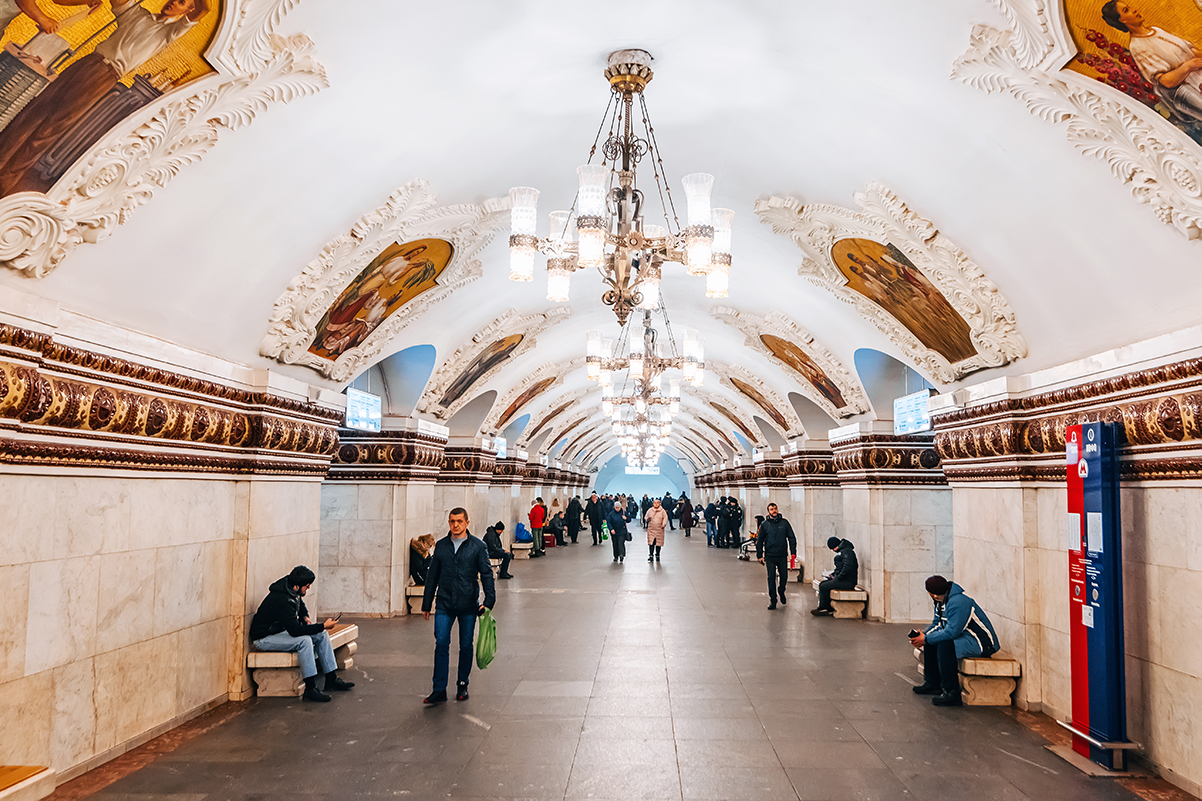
698	254
604	377
559	280
640	406
590	200
722	230
559	230
590	249
674	408
717	280
636	365
674	388
521	263
649	287
523	211
697	189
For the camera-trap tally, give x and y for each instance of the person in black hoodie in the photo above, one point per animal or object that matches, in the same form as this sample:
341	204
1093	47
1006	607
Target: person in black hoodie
492	540
572	518
847	573
282	624
773	545
459	560
594	512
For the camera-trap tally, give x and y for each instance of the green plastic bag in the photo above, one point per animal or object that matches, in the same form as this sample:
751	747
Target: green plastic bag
604	531
486	640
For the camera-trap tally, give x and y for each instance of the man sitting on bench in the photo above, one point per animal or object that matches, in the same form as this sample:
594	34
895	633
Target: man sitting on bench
847	573
960	629
282	624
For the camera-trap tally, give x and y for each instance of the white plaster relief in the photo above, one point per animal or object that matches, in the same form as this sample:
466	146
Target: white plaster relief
254	68
412	212
885	218
722	421
725	372
510	322
781	325
1157	161
558	370
558	424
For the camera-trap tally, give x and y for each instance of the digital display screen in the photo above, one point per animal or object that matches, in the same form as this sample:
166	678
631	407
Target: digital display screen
363	410
500	446
642	471
910	413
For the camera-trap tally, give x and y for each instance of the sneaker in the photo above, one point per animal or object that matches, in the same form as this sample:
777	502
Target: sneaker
462	694
435	698
927	689
314	694
948	699
339	684
821	612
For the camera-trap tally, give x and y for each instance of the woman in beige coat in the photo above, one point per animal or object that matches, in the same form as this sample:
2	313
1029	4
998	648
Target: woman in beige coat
655	523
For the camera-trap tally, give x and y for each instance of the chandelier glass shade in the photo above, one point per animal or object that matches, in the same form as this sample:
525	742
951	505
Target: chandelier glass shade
611	234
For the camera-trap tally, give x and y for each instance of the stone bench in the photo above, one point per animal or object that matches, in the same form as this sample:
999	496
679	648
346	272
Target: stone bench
985	681
848	604
276	674
521	550
25	782
413	597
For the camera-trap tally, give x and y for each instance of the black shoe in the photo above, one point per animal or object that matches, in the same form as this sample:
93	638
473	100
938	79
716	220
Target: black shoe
337	683
622	559
314	694
650	558
435	698
657	557
772	605
462	694
505	576
948	699
821	612
927	689
783	600
615	558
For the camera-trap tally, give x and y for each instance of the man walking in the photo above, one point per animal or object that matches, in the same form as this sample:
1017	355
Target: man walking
773	546
594	513
847	573
458	568
959	629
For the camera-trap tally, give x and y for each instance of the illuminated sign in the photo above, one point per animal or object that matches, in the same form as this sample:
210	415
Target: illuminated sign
363	410
910	413
642	471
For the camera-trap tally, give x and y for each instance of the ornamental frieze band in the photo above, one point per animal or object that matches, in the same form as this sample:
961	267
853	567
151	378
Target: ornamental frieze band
387	456
879	459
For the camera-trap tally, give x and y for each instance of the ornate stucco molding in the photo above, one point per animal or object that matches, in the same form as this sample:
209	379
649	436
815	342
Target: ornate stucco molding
561	407
737	407
781	325
1158	162
557	371
467	465
561	427
254	68
409	456
727	372
879	459
885	218
811	469
507	324
412	212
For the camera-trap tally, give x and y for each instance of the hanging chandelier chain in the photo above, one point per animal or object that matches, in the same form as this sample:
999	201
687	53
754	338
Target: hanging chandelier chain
657	159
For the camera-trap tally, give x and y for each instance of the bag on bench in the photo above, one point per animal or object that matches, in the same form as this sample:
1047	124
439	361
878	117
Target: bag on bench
520	534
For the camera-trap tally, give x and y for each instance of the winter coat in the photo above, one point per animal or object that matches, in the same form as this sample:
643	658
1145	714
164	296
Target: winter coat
657	521
282	610
711	512
617	523
961	620
453	577
538	516
669	503
573	516
686	513
776	538
592	510
492	541
847	566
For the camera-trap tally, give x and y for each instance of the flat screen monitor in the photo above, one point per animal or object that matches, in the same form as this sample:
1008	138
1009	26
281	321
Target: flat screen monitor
642	471
910	413
500	446
363	410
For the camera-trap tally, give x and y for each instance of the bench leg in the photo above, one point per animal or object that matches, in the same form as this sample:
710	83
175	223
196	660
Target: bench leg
846	610
415	604
343	656
278	682
987	690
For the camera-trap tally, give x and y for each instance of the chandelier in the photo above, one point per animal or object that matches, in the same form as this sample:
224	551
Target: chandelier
610	234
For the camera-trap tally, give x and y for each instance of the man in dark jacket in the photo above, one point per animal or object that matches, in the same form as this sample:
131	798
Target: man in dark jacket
959	629
722	540
711	524
618	531
459	560
282	624
847	573
572	518
669	504
773	545
594	512
496	550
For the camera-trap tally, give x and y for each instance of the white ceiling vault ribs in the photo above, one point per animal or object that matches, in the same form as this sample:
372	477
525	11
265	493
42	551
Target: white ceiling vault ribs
708	414
781	325
581	448
728	373
883	217
556	432
704	424
507	324
1154	158
737	406
704	444
554	370
580	426
411	212
255	68
539	424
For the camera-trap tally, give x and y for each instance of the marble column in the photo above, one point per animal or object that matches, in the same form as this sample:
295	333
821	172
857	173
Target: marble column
815	505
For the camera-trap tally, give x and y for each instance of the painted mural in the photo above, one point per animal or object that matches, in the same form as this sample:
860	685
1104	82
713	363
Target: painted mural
888	278
734	418
70	70
530	393
554	413
721	434
797	359
398	275
1151	50
758	399
490	357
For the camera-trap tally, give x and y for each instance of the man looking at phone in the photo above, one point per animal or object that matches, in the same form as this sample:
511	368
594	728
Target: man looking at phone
960	629
282	624
458	567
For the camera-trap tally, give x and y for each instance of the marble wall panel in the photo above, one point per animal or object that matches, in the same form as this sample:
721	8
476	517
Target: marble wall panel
25	708
270	558
179	588
15	581
200	675
365	543
1180	594
280	508
73	722
159	518
339	500
375	502
92	516
357	589
126	601
26	519
148	666
63	603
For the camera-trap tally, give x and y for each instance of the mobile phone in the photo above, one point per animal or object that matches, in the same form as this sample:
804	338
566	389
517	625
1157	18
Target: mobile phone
911	635
338	617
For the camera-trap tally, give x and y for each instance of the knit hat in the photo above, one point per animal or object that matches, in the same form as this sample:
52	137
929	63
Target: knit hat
938	585
833	543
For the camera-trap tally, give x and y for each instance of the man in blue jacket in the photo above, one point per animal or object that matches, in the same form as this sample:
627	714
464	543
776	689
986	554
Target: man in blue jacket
959	629
459	560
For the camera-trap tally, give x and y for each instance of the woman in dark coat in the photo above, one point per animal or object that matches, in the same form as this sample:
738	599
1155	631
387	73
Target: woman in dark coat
573	519
686	516
617	531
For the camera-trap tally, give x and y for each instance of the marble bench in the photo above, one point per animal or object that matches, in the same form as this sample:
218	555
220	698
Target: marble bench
413	597
848	604
25	782
521	550
275	672
985	681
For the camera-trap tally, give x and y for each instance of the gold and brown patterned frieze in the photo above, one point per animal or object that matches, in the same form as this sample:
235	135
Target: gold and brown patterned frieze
408	456
508	471
883	459
467	465
811	469
1160	412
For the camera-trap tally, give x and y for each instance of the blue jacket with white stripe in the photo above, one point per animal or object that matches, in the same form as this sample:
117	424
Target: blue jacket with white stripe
962	620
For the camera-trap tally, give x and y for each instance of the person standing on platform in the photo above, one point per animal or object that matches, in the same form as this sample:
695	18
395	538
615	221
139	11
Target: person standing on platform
572	520
960	629
711	524
773	546
669	504
594	513
538	519
617	531
644	507
723	538
655	522
686	515
459	567
847	573
736	523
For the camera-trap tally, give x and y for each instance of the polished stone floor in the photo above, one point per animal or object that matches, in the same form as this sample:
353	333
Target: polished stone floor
634	681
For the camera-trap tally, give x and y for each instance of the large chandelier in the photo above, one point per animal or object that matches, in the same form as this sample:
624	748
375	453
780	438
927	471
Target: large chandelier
610	232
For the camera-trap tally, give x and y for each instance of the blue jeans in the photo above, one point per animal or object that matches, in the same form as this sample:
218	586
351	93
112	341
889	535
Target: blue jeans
442	647
312	651
710	532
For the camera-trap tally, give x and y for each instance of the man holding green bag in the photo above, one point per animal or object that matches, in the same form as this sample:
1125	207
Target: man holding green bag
458	567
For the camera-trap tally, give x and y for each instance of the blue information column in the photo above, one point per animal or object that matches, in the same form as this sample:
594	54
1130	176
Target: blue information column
1099	692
